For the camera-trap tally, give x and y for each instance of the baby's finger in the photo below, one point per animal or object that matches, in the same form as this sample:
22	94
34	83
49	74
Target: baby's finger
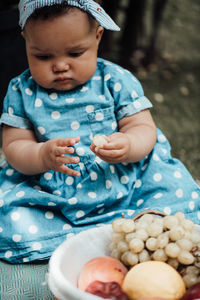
66	170
59	151
60	160
67	141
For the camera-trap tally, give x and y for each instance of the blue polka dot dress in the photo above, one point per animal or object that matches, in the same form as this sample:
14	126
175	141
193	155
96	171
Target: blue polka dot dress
39	212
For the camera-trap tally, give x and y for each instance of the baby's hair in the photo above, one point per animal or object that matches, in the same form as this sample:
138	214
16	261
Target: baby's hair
56	10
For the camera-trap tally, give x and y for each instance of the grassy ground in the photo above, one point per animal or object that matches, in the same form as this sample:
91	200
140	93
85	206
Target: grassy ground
172	81
173	84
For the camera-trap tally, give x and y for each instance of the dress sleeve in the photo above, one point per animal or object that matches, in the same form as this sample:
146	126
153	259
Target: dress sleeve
13	109
127	93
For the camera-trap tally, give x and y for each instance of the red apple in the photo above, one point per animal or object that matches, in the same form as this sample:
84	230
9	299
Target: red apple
193	293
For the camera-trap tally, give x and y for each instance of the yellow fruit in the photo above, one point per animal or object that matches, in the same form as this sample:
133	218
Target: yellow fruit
153	279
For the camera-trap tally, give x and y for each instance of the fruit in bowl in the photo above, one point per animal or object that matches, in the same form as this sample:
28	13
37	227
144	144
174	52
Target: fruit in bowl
103	269
153	278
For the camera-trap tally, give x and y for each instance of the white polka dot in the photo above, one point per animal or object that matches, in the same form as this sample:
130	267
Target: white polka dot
9	172
53	96
80	214
10	111
15	216
72	200
157	177
99	116
198	215
179	193
89	108
70	100
93	176
41	130
138	183
119	195
55	115
92	195
49	215
98	160
100	205
28	92
156	157
67	226
191	205
48	176
134	94
16	238
70	235
36	246
102	97
177	174
38	102
112	169
1	203
81	165
144	167
130	212
107	77
1	229
139	202
194	195
137	104
14	87
117	87
33	229
96	78
75	125
80	151
84	89
164	151
20	194
120	70
51	204
114	125
111	213
124	179
158	195
167	210
57	192
108	184
8	254
25	259
79	186
69	180
101	211
161	138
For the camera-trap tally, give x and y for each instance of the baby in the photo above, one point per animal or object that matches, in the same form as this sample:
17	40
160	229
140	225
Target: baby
57	181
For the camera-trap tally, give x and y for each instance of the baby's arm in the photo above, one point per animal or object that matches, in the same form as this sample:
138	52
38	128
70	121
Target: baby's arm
29	157
135	139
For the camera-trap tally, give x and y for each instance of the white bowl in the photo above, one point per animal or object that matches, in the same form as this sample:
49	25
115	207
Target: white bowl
68	259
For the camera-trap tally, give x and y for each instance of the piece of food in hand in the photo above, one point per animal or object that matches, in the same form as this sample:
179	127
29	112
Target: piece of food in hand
99	140
193	293
108	290
153	279
103	268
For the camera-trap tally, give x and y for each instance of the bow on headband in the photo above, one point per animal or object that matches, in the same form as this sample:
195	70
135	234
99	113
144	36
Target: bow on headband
27	7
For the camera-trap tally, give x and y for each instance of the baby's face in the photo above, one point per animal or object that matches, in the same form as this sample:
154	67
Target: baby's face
62	52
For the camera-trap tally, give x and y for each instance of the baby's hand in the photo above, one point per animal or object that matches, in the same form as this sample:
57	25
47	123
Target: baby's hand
53	155
115	149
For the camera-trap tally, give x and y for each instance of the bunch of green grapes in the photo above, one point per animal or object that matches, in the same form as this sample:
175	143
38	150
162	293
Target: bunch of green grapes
171	239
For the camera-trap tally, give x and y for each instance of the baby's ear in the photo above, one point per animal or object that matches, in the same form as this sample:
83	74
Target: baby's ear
22	33
99	33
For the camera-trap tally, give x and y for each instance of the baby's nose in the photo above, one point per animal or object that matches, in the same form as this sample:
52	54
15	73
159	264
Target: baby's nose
60	66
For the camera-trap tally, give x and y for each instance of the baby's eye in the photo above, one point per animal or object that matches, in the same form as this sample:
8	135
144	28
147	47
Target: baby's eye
76	54
43	57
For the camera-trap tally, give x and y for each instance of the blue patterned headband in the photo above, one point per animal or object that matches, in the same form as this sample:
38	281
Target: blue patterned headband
27	7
